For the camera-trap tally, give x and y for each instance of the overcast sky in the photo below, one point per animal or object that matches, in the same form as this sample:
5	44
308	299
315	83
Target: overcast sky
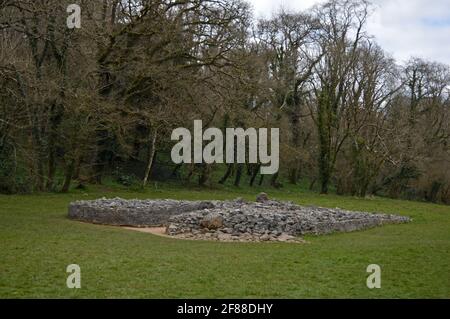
404	28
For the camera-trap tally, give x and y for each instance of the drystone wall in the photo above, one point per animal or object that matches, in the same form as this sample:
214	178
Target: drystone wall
137	213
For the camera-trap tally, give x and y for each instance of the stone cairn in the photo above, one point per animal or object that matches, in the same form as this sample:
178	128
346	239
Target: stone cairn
237	220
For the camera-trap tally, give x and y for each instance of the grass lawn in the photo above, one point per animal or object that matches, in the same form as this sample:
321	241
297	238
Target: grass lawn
38	242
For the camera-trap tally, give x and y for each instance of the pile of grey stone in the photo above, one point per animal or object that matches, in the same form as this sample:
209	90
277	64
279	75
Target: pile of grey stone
237	220
268	220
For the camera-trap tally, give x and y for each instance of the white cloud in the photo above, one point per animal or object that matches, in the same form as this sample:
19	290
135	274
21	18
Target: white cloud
408	28
404	28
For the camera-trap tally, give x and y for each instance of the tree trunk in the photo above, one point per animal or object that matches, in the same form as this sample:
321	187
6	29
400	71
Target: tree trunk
77	171
204	176
227	174
254	174
273	180
293	176
176	169
324	181
40	177
311	185
324	149
151	156
51	169
68	176
261	180
56	115
237	180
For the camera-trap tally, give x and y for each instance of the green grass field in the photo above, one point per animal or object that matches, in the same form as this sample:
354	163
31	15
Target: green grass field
38	242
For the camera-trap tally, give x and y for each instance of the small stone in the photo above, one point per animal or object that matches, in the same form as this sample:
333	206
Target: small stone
171	229
262	197
285	237
212	221
224	237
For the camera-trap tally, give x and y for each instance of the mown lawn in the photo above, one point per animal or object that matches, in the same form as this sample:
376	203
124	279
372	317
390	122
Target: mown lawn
38	242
